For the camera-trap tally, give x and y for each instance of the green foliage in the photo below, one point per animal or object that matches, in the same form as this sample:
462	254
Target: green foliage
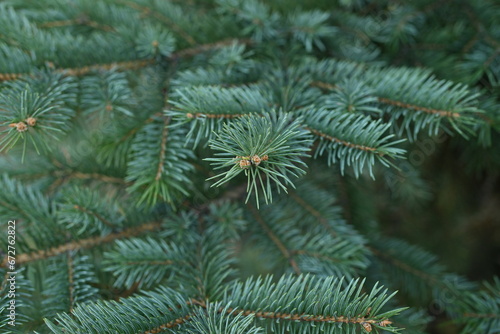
359	132
306	296
35	109
136	314
322	244
86	212
153	41
303	297
106	94
485	304
133	134
154	158
220	102
248	12
26	306
440	104
310	27
137	260
352	96
218	320
267	149
74	275
415	270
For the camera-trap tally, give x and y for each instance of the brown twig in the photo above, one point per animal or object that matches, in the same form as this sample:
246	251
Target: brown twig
70	279
283	249
131	64
95	214
163	147
404	266
82	20
204	115
97	176
309	208
400	104
444	113
477	315
315	255
83	244
171	324
343	142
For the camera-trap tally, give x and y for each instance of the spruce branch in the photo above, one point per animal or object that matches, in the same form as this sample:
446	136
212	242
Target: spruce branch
422	274
25	303
149	312
304	303
312	305
255	17
93	176
36	111
310	27
142	261
106	95
25	202
23	69
266	149
70	280
75	22
316	210
13	61
353	140
85	212
420	270
199	263
231	56
10	76
147	11
94	214
351	96
201	48
128	65
288	254
229	66
207	108
18	31
439	104
83	244
158	166
481	310
306	244
153	41
99	214
213	318
209	266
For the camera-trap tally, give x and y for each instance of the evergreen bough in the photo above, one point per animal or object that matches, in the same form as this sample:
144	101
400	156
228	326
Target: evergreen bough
133	134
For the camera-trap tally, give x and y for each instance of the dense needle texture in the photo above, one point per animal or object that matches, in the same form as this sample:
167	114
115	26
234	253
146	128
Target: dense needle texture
249	166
